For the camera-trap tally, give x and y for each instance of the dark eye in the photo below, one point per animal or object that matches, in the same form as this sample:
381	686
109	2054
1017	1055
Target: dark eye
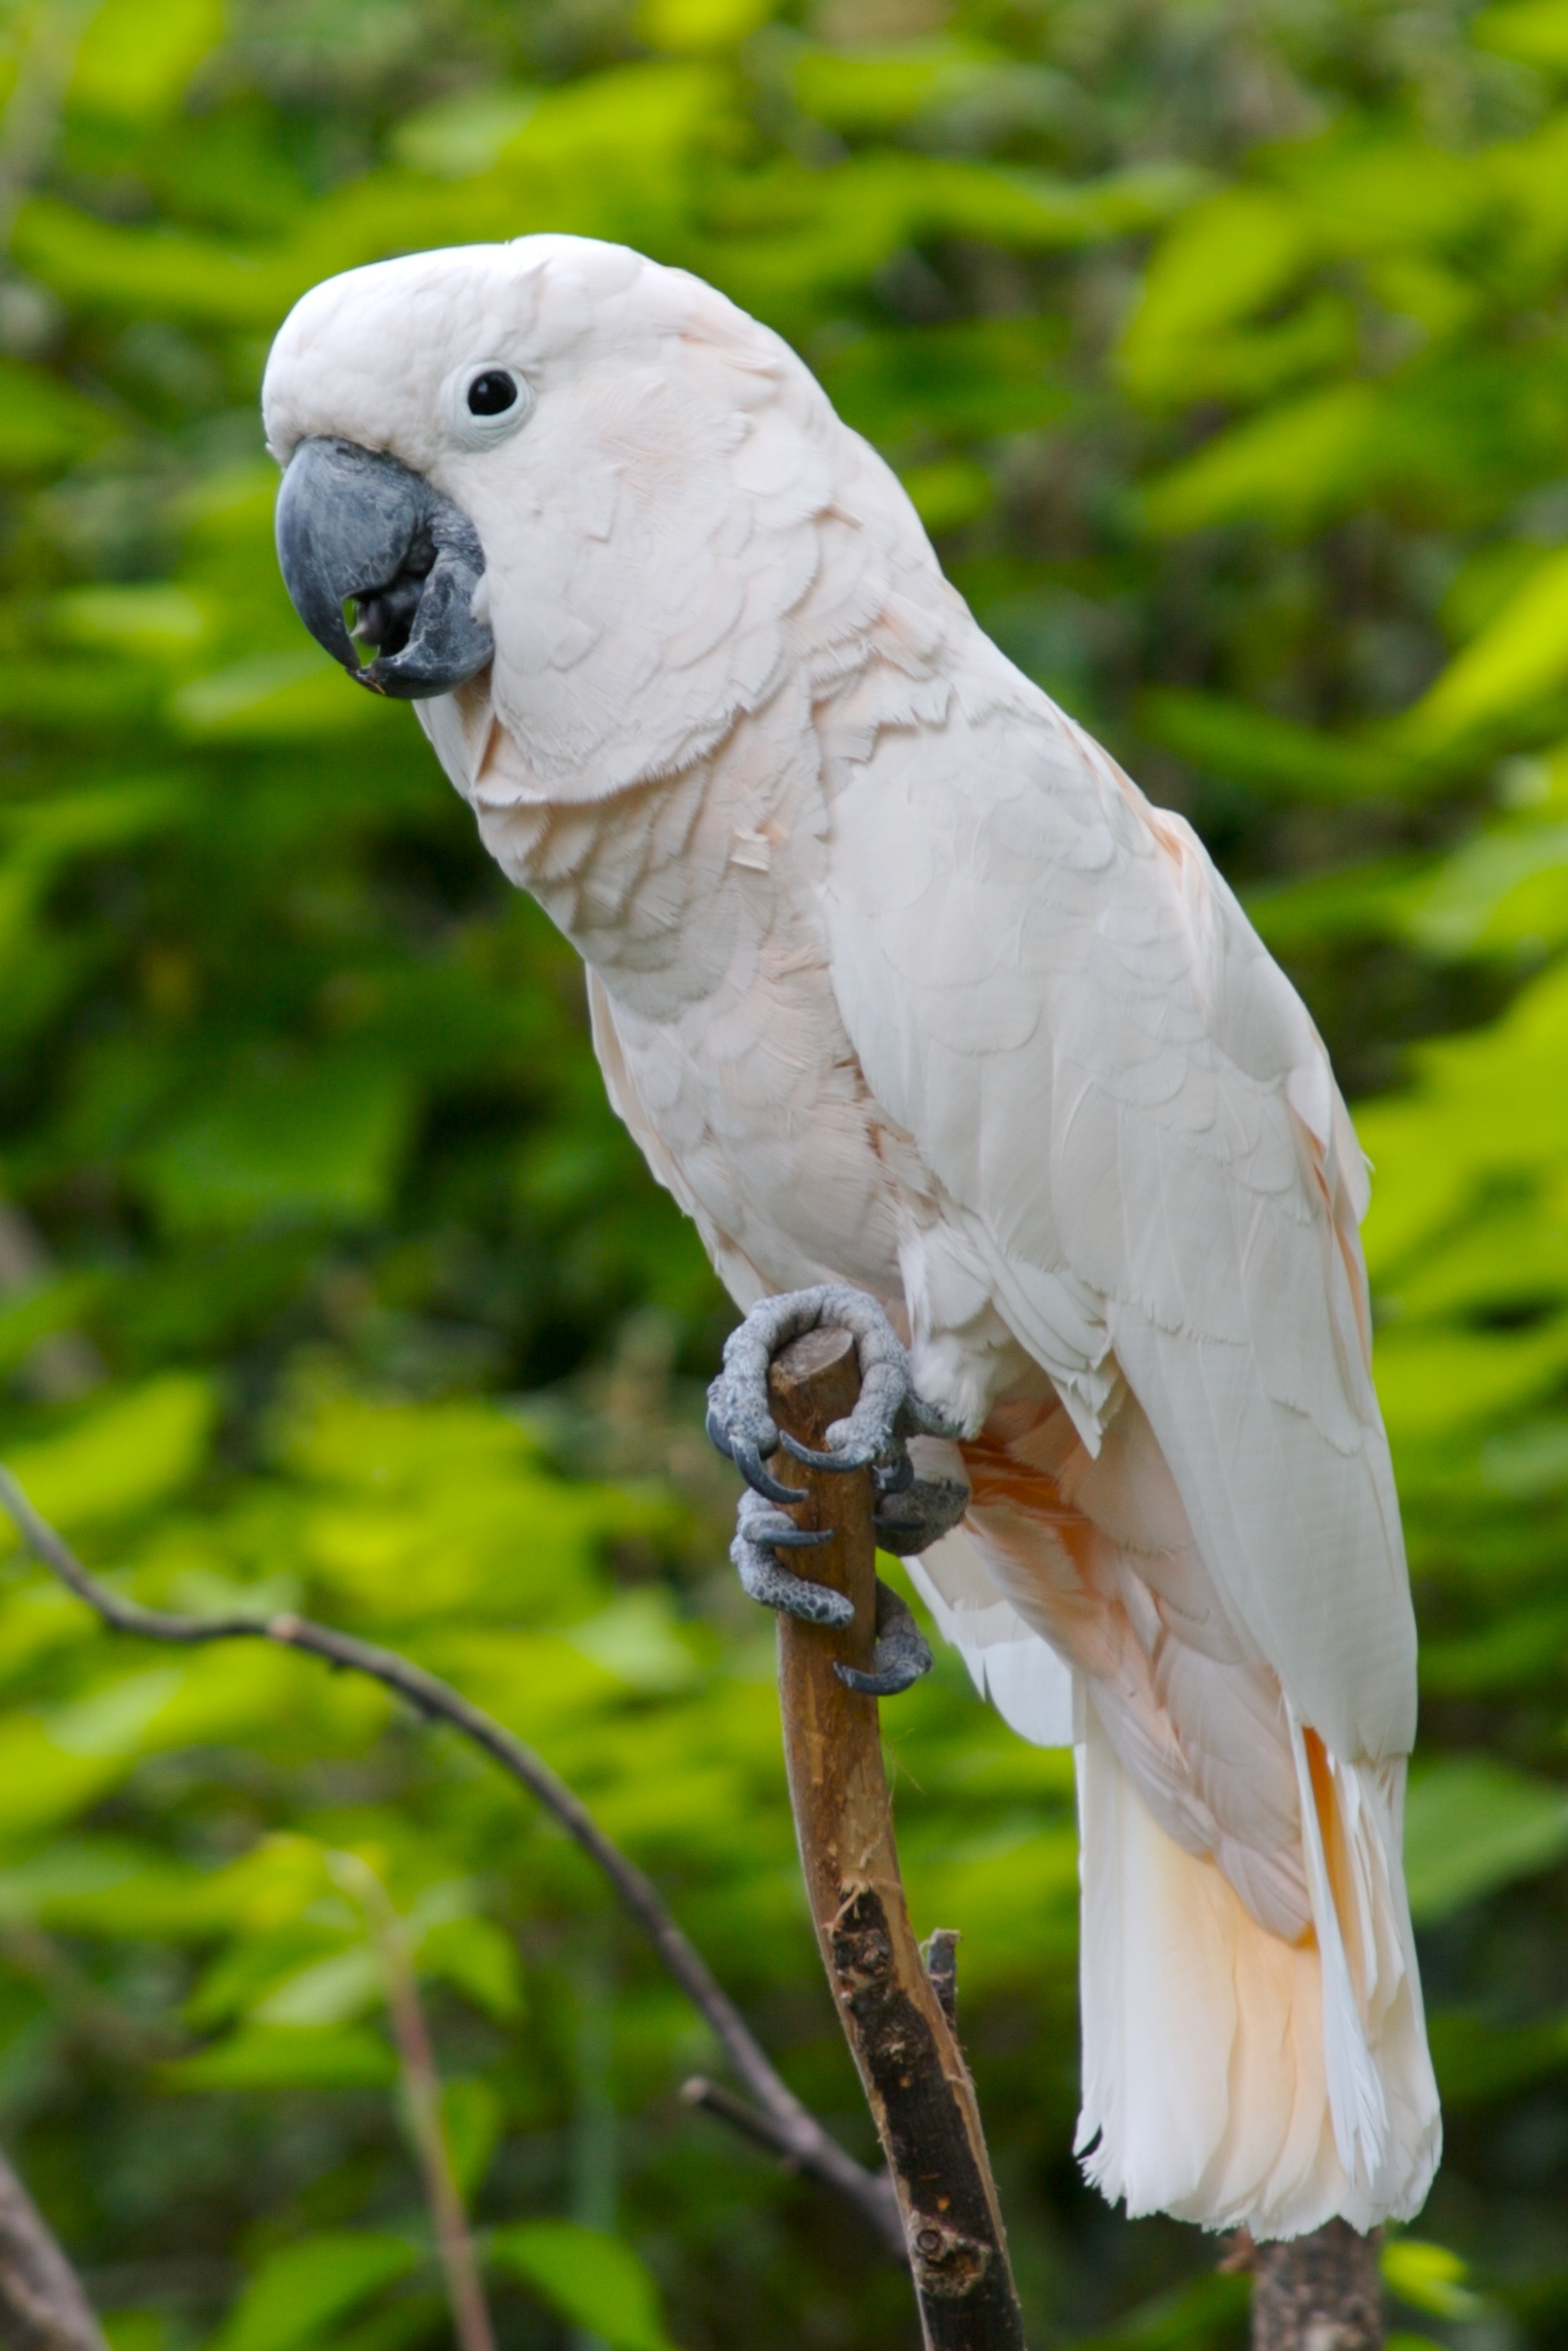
492	393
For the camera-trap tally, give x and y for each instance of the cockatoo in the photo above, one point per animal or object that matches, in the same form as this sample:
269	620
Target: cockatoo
934	1024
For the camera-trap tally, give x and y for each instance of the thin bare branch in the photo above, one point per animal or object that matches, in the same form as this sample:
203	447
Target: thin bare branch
42	2305
799	2134
421	2097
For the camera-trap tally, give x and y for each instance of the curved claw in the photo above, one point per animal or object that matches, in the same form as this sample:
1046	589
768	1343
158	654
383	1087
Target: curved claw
718	1435
801	1538
853	1457
903	1654
749	1462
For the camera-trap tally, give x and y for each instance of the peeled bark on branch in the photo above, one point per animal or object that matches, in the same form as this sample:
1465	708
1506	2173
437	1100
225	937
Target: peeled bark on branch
914	2076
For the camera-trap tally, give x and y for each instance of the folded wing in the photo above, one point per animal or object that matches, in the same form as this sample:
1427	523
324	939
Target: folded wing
1051	989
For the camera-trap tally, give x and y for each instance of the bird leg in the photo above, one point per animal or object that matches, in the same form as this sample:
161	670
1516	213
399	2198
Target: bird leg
912	1512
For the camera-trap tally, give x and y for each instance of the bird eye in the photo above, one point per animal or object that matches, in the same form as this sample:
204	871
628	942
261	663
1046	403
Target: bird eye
492	393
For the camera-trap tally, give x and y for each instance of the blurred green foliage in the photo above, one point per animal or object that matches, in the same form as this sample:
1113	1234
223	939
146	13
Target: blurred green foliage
1224	345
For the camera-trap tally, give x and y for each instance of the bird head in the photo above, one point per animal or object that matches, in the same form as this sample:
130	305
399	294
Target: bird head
556	472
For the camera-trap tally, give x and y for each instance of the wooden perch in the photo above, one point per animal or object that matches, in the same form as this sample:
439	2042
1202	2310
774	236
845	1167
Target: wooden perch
916	2083
1318	2293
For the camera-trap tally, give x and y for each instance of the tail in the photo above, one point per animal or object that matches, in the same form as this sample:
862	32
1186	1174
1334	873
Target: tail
1230	2077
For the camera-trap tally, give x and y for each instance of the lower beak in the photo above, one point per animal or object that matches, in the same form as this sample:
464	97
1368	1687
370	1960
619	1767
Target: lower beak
355	525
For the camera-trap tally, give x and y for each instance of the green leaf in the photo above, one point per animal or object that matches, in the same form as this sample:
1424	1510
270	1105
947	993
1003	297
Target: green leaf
132	62
1519	661
1368	189
1435	1382
1290	466
152	273
262	2056
304	2288
593	2280
1488	1109
292	695
55	1305
136	2330
113	1720
1535	31
1365	900
1473	1825
331	1991
970	380
43	424
1222	262
455	138
472	2117
875	90
950	493
42	1784
1429	2277
1529	1461
118	1457
482	1961
160	620
1204	2312
637	1640
296	1139
699	27
1476	2061
1507	887
94	1886
1508	1253
1272	755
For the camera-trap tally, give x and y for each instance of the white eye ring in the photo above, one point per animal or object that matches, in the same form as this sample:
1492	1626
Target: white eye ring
481	428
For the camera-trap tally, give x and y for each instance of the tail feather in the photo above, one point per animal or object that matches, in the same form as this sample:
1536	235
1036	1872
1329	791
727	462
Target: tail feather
1343	1896
1231	2076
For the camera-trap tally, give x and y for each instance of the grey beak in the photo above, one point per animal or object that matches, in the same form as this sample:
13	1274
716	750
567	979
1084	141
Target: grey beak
353	522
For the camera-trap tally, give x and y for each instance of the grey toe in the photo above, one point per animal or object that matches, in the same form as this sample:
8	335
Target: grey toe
903	1654
760	1532
909	1521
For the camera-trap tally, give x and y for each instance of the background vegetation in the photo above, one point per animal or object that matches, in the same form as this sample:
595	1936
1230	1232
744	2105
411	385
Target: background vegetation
1224	345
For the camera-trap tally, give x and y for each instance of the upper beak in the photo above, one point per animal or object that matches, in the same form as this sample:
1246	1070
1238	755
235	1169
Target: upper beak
353	522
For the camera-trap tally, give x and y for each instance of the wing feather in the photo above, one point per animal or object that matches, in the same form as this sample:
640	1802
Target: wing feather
1051	989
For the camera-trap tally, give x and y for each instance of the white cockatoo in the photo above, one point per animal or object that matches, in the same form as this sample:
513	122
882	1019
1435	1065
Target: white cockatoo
906	992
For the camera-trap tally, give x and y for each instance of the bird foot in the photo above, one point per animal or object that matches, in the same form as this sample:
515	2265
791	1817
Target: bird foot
912	1512
902	1655
762	1531
875	1434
